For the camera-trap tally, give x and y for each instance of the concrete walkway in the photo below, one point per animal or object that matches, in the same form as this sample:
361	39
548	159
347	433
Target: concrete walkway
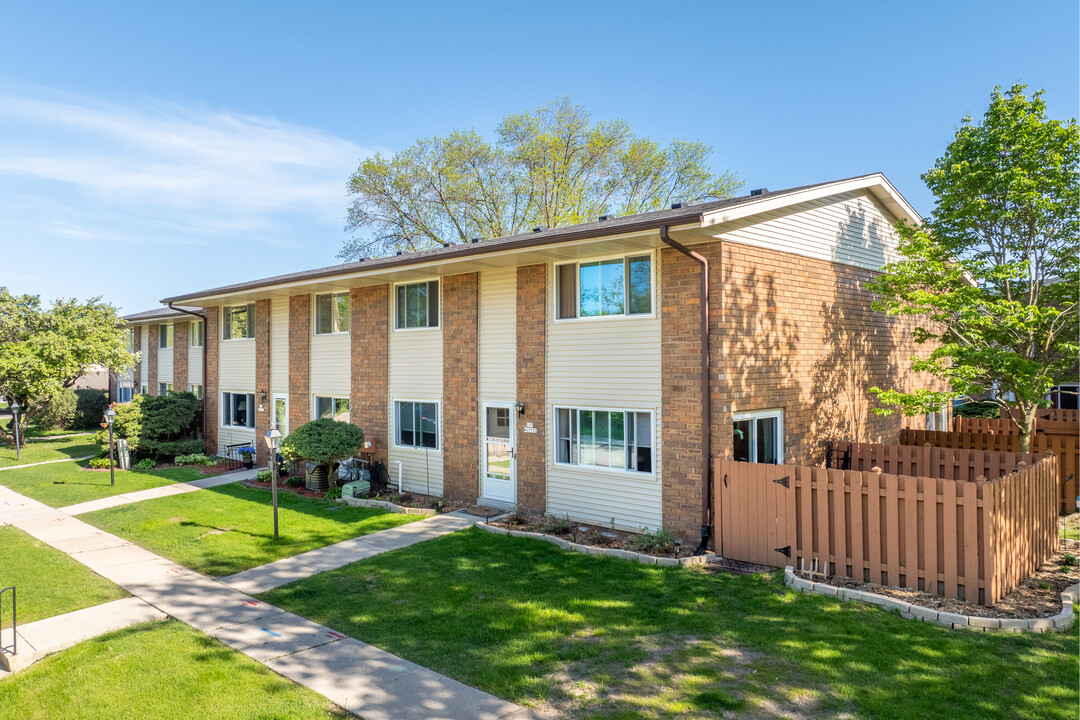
44	637
45	462
158	492
359	677
281	572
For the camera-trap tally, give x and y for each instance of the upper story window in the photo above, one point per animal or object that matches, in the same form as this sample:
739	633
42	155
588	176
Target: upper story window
129	340
604	438
238	321
332	313
197	333
417	305
165	336
619	286
759	436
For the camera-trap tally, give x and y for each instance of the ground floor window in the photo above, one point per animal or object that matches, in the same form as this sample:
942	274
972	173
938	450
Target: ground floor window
332	407
758	437
164	388
123	394
238	409
142	389
604	438
196	390
1065	397
417	424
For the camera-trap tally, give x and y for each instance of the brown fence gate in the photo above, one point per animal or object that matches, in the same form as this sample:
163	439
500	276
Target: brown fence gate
756	514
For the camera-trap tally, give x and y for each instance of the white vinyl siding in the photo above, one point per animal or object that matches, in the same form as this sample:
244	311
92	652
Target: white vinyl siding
279	345
330	367
497	331
849	228
144	358
613	365
236	365
416	364
165	364
195	366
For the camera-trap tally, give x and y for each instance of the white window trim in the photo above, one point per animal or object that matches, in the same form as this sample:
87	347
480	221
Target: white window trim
315	314
429	328
221	402
191	333
273	410
191	389
777	413
654	258
250	320
438	423
315	410
1067	387
652	476
170	334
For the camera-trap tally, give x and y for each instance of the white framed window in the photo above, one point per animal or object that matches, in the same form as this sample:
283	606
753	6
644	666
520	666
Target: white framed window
610	287
416	305
129	340
335	408
196	334
238	409
238	322
123	394
196	390
417	424
615	439
165	336
759	436
142	389
332	313
1064	396
164	388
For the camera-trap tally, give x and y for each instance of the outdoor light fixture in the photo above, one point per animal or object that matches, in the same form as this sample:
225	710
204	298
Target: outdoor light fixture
15	421
520	407
273	442
262	397
110	417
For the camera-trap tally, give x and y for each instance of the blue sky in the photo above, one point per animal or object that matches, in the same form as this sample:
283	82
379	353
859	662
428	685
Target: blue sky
148	149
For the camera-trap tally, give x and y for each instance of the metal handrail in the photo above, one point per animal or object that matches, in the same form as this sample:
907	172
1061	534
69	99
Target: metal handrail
14	620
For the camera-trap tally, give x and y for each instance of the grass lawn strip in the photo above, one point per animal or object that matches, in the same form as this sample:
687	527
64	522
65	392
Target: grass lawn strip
597	637
165	671
48	582
40	450
223	530
68	483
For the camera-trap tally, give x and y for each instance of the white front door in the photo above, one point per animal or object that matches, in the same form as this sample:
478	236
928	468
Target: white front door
498	483
281	413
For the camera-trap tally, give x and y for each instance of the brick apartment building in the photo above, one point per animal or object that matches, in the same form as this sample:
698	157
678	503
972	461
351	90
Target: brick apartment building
562	370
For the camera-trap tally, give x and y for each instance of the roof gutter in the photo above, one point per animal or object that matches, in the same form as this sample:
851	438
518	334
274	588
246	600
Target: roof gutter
706	395
202	400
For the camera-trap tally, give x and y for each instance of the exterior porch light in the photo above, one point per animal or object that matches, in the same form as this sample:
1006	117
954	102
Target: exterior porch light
15	422
273	442
520	407
110	418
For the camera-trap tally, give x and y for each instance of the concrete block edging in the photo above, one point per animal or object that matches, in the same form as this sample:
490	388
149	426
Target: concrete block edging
1057	623
642	558
387	505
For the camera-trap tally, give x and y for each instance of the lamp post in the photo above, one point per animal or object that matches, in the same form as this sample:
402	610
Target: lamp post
110	416
15	422
273	441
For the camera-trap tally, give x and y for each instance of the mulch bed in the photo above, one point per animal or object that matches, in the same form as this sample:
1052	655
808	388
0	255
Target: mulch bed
585	534
282	487
1037	596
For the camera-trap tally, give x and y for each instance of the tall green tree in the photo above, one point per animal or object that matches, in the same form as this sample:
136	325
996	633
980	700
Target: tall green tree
551	167
44	350
993	270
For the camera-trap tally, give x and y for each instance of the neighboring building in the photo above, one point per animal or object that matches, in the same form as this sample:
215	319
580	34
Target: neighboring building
97	378
169	344
560	370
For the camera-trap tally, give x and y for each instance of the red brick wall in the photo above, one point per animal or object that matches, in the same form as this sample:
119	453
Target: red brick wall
137	345
263	408
299	360
152	359
212	400
369	352
461	447
531	377
181	343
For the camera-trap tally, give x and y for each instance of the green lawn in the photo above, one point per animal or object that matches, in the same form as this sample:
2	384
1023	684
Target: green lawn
62	484
1069	527
605	638
221	531
41	450
165	671
34	432
48	582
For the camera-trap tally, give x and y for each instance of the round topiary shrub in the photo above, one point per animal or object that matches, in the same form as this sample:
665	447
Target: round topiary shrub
323	442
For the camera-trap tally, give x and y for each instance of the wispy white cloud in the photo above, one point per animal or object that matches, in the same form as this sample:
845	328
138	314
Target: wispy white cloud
179	169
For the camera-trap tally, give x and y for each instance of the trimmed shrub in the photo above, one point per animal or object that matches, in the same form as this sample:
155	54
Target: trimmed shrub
160	427
294	481
90	408
145	464
334	493
98	463
264	476
195	459
323	441
56	412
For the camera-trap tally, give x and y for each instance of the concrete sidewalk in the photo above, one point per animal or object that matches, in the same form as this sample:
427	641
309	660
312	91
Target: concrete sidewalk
158	492
45	462
284	571
367	681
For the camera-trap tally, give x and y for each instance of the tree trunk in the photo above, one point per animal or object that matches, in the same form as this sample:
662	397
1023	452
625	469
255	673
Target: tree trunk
1026	425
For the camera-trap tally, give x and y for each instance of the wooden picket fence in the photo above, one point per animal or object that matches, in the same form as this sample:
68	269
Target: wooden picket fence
1065	446
972	540
1051	421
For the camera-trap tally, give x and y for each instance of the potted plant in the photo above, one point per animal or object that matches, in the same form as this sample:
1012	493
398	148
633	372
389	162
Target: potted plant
324	443
247	454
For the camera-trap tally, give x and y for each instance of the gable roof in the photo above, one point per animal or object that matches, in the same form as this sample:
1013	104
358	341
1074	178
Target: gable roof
161	313
701	214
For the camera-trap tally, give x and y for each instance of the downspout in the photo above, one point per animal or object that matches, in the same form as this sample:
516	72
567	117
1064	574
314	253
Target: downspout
202	401
706	394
